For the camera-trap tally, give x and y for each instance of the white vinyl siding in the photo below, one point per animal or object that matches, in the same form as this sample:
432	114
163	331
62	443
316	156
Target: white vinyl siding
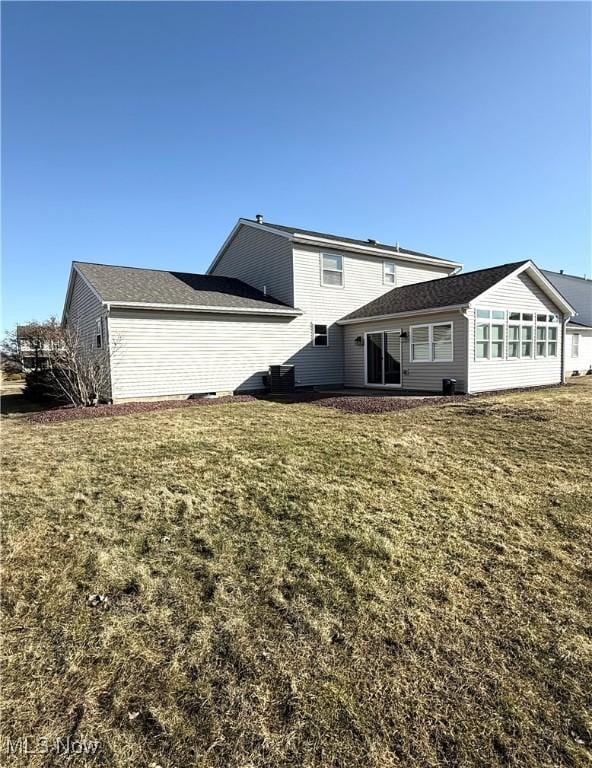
421	375
85	316
163	354
261	259
363	281
582	362
521	299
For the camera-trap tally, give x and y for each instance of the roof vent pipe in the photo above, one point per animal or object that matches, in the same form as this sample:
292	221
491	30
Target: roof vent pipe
259	218
560	271
265	290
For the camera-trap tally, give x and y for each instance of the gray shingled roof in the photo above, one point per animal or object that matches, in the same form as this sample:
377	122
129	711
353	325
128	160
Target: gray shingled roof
369	244
442	292
154	286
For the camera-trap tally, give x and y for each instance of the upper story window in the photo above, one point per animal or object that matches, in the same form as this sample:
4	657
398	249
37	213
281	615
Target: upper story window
431	343
388	272
332	270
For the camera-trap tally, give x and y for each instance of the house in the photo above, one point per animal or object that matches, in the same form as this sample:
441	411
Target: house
35	343
341	311
578	291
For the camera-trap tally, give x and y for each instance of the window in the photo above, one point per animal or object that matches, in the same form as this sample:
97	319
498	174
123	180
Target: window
482	341
546	335
99	334
332	270
388	272
497	341
431	343
320	335
519	335
575	345
420	343
442	342
526	340
514	341
490	334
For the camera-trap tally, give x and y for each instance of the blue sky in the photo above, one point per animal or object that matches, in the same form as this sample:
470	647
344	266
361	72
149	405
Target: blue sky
137	133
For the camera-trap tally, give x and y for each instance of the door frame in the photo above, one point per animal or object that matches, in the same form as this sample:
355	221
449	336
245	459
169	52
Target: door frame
382	386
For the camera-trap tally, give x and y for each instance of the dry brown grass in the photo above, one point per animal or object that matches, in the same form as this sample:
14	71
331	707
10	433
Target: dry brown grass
293	586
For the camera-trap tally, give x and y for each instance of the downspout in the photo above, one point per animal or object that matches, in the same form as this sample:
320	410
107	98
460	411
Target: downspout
108	347
563	342
465	313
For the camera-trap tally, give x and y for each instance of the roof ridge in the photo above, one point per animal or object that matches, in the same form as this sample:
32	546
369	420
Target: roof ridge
361	241
461	274
125	266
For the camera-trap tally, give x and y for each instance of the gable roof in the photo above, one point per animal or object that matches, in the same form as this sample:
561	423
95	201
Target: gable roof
432	294
312	237
134	286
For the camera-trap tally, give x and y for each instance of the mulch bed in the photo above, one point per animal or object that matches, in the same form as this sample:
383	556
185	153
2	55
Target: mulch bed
342	402
361	404
67	413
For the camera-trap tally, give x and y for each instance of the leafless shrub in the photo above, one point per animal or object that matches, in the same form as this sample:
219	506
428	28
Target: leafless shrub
76	372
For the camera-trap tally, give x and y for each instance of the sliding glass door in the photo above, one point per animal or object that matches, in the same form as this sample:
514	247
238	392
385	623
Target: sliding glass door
383	359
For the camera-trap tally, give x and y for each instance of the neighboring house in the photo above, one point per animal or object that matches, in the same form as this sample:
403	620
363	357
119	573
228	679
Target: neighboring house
578	343
341	311
34	347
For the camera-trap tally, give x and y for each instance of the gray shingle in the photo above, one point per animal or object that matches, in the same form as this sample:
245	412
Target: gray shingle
153	286
391	249
442	292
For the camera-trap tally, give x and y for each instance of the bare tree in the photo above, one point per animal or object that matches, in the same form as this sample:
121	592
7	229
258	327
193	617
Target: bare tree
77	371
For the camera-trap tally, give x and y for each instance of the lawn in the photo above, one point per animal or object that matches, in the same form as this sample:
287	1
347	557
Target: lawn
289	585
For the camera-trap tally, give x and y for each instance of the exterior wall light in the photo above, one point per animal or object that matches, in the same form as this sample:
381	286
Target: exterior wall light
359	341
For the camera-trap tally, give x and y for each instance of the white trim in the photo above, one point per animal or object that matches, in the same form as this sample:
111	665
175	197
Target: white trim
430	327
340	244
490	322
314	335
230	238
75	271
388	252
543	283
338	271
393	315
383	386
202	308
